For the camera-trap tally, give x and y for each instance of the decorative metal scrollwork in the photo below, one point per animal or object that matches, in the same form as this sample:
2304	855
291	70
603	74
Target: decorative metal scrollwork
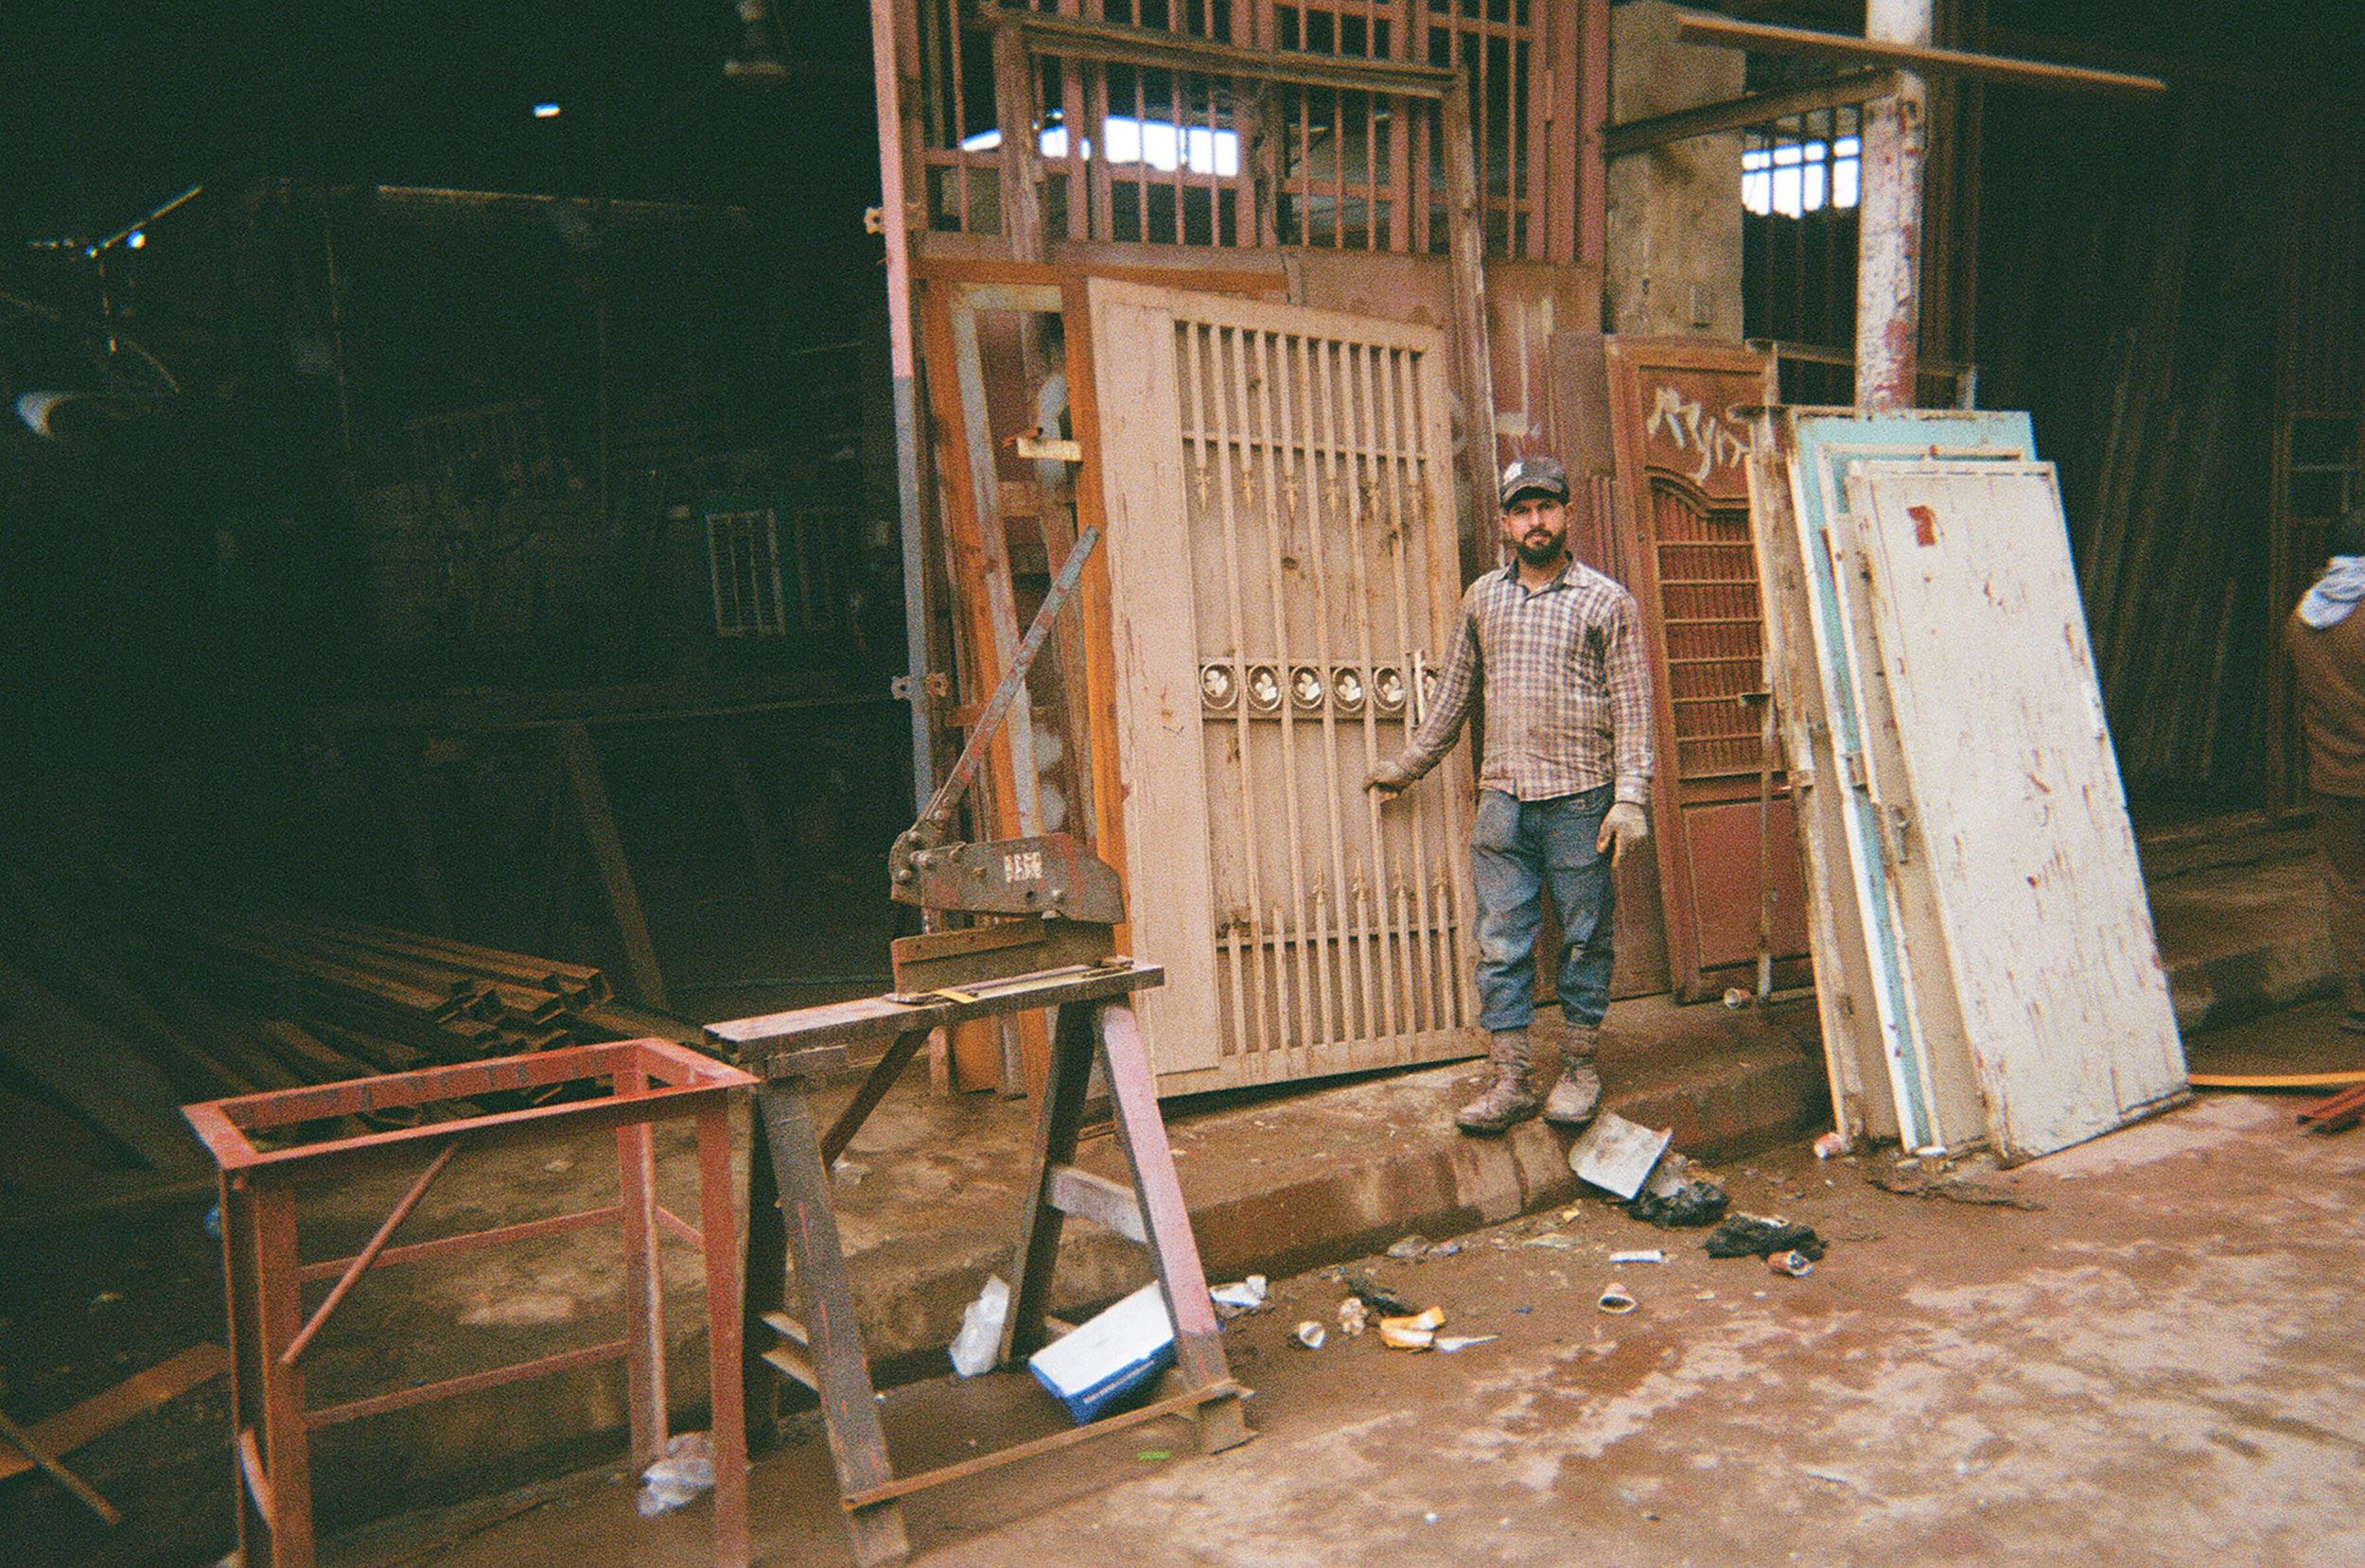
1387	690
1264	689
1346	689
1306	687
1218	687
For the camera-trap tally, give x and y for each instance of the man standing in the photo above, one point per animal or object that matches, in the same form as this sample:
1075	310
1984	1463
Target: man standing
2327	642
1556	647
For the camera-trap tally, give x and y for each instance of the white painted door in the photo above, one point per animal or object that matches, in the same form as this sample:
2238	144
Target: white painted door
2016	798
1283	578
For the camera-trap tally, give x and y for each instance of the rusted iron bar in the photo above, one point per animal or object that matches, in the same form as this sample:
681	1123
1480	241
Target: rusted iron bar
1912	54
895	228
523	1231
1113	43
1753	109
939	807
361	1260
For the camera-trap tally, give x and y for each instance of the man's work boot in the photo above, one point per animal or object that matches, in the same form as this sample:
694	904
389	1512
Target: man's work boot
1578	1094
1510	1097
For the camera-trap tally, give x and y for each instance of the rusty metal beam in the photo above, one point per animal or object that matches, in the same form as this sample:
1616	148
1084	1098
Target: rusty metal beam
1753	109
895	228
1116	45
1895	140
1916	55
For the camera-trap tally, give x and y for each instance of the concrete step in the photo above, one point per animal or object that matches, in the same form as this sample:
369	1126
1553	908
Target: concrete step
2239	941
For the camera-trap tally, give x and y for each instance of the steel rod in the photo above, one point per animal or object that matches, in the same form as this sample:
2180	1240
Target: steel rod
1207	394
368	1255
1766	39
1227	346
939	809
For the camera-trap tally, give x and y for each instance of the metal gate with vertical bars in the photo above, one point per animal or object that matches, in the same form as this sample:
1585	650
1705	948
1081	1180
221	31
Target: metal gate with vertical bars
1283	561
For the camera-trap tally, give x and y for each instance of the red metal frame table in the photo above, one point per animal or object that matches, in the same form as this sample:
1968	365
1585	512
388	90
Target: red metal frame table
649	1081
790	1160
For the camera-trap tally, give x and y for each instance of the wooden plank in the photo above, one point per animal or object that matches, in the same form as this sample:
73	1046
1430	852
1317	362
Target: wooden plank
1084	1195
593	810
1179	1404
135	1396
2017	800
1861	1100
1035	1259
839	1024
824	1299
1161	771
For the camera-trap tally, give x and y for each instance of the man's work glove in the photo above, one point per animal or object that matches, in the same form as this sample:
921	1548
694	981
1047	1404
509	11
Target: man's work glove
1623	829
1389	780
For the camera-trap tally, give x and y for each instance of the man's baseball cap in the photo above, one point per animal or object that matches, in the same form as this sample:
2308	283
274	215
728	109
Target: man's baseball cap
1535	477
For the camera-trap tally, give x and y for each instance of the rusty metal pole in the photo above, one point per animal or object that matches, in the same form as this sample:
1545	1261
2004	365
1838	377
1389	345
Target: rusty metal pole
894	225
1888	217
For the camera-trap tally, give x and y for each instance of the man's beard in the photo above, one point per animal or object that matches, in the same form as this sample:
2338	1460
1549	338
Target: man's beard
1541	555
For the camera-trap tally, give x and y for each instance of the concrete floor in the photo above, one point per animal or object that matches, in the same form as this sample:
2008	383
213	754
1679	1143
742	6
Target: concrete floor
2159	1365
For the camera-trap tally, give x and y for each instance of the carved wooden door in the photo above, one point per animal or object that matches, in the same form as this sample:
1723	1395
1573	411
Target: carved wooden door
1684	498
1283	579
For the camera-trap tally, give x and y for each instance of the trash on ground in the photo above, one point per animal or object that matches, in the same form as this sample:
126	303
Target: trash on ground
849	1171
687	1470
1829	1144
1247	1296
1352	1314
1445	1249
1912	1180
1102	1360
1387	1303
1794	1264
1736	998
979	1343
1617	1154
2337	1113
1679	1195
1554	1240
1616	1300
1150	1455
1312	1335
1643	1254
1449	1343
1750	1236
1413	1332
1408	1249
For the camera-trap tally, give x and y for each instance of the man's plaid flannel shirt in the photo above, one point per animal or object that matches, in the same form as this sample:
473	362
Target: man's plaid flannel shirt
1567	694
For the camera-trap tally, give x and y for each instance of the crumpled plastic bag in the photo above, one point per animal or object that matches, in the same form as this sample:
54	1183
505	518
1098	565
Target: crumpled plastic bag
687	1470
1748	1236
975	1348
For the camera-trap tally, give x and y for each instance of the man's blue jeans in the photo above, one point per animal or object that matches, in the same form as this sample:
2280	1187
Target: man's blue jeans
1518	849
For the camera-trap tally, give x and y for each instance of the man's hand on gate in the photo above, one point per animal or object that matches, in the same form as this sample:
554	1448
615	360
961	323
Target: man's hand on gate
1622	827
1389	780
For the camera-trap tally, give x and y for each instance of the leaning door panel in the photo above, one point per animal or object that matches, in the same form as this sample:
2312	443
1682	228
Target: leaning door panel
1278	486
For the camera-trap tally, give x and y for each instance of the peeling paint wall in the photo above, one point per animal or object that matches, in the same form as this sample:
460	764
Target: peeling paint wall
1674	211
